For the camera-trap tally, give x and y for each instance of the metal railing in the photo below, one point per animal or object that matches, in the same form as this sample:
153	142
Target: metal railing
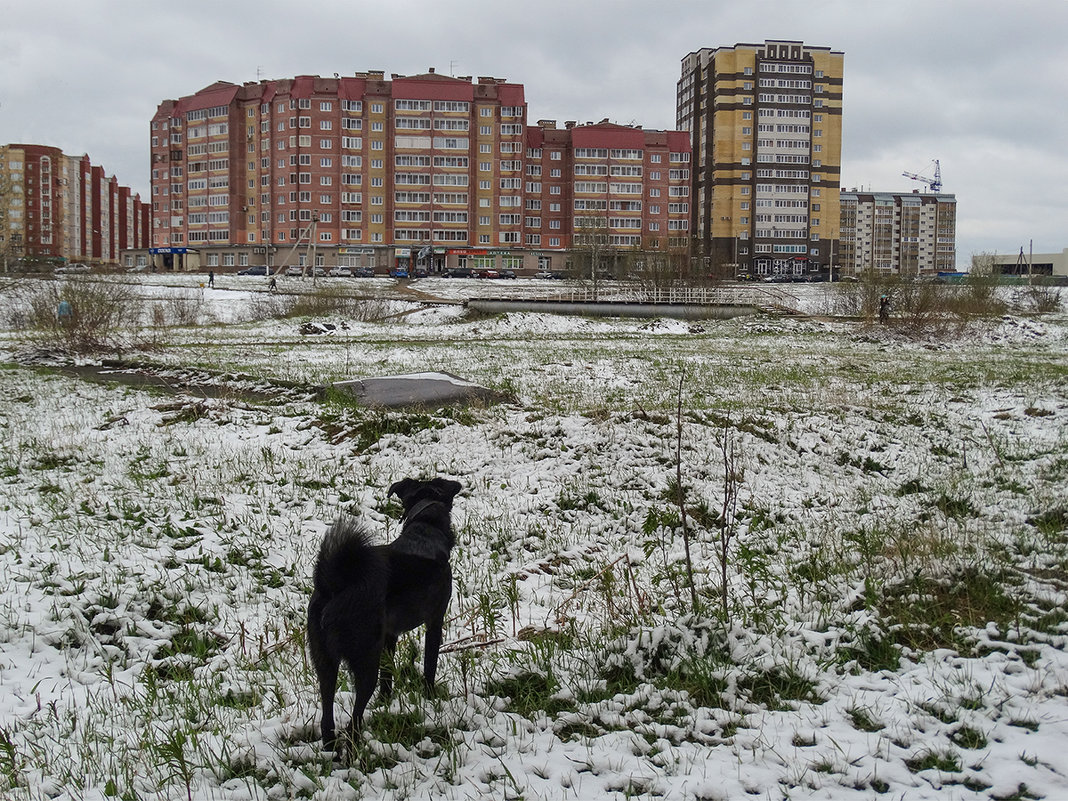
758	295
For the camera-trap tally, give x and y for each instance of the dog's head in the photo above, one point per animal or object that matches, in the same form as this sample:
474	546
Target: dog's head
412	492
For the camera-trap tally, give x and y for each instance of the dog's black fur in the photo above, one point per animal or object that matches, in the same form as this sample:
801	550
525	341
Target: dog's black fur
365	596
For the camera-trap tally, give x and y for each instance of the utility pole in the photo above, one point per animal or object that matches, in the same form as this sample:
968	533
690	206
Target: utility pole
306	237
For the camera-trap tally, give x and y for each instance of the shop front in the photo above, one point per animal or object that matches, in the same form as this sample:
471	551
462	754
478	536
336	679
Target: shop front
173	259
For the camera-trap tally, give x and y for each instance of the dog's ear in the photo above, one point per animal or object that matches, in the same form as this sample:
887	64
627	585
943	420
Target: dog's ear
446	488
403	489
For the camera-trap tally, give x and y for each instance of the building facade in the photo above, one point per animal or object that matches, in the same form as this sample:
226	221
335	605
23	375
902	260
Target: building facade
1028	264
909	234
765	121
426	169
56	208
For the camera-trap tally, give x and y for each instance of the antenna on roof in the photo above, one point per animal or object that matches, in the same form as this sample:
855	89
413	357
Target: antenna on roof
259	73
452	69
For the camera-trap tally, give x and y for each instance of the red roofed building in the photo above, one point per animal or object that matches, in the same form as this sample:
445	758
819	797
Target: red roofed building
56	208
425	170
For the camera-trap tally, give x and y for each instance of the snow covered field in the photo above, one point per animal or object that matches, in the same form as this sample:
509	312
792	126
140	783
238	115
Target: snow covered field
896	562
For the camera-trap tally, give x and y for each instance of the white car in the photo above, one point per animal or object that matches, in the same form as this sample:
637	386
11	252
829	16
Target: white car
341	272
77	267
295	271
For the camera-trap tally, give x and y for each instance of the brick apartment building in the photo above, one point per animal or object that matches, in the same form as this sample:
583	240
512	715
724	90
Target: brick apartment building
425	170
56	208
766	127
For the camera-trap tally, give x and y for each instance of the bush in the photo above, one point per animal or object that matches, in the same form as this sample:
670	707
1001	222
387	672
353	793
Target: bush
917	307
324	302
1041	298
98	313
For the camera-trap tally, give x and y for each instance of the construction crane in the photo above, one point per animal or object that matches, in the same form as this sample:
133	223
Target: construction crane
934	184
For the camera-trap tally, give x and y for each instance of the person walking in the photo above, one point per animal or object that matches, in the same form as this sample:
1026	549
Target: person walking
884	309
211	278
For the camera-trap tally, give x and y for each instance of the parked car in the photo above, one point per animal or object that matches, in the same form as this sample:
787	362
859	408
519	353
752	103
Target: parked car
398	272
318	272
544	274
487	274
365	272
459	272
258	269
420	272
76	267
297	271
507	273
341	272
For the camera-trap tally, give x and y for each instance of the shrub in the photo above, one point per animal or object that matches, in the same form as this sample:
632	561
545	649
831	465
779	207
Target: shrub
917	307
98	314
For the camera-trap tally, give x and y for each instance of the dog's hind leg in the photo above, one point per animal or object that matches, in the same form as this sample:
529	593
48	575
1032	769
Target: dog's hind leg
326	669
364	677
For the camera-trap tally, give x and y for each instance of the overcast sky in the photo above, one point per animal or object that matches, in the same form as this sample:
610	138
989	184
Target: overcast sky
981	86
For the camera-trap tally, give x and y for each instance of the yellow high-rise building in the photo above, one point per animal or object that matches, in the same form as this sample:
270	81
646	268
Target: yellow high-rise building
765	122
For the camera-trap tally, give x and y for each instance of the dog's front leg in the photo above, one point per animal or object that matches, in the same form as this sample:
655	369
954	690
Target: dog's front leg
430	653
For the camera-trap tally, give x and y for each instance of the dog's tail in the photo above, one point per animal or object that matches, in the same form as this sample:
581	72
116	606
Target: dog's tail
347	560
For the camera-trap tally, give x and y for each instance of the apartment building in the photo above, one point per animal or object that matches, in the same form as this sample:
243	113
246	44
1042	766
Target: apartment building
765	122
425	170
907	234
56	208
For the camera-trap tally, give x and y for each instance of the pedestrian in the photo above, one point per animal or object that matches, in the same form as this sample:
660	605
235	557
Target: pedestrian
64	312
273	285
884	309
211	278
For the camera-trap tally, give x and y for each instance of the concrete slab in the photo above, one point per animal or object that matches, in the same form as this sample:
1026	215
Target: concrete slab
419	389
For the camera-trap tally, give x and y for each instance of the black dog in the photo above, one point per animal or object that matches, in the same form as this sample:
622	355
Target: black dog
366	596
